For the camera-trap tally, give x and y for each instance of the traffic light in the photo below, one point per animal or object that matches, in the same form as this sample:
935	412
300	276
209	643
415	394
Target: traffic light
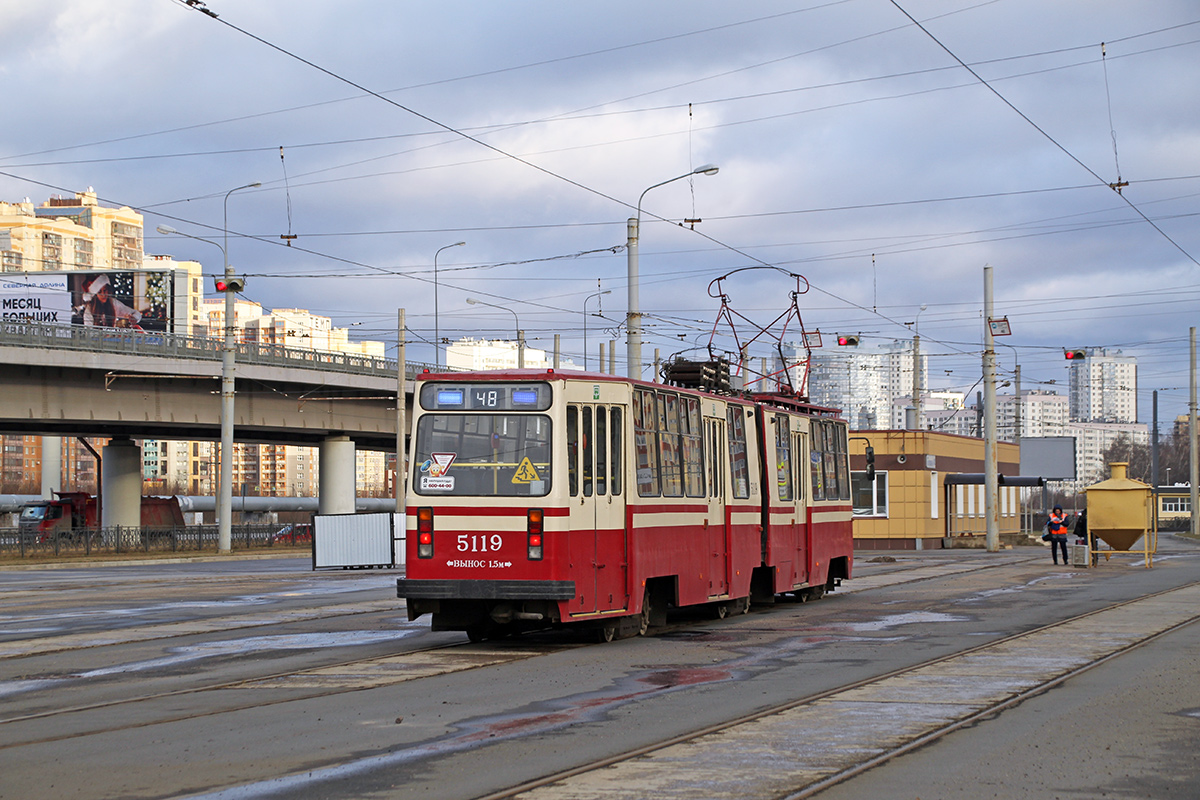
1075	355
847	340
230	284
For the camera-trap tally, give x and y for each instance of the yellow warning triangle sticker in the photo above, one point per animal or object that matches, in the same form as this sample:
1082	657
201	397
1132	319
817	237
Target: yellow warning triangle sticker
525	472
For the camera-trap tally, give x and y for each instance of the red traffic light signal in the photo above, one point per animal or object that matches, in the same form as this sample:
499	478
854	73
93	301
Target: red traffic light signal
230	284
1073	355
846	340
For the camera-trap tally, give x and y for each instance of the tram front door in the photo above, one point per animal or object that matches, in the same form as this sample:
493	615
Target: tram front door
596	539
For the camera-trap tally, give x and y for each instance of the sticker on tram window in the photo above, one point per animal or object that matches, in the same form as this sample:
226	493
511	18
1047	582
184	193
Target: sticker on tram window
438	464
437	484
526	473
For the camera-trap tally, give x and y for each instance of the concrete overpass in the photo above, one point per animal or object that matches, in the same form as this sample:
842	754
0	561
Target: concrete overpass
76	381
122	384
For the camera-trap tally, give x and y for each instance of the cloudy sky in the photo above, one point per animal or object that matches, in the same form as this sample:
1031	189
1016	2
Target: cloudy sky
885	151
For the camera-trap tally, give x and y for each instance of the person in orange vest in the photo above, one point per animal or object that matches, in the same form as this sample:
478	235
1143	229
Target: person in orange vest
1057	528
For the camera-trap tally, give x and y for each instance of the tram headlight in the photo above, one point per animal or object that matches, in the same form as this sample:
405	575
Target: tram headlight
425	532
534	530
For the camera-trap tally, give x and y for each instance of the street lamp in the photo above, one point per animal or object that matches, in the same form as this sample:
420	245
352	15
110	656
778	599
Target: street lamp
437	337
585	302
225	497
225	490
520	334
633	317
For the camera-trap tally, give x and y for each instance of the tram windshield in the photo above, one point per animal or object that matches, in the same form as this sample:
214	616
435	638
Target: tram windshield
482	455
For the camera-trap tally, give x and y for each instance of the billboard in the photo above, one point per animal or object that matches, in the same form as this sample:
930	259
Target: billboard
35	297
1051	457
138	299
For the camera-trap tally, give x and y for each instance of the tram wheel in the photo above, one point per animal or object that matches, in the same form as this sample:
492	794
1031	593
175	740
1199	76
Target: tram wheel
644	619
721	610
742	606
606	631
476	634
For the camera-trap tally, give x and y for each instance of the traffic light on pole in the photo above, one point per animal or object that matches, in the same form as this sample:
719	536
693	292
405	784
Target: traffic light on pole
1075	355
230	284
847	340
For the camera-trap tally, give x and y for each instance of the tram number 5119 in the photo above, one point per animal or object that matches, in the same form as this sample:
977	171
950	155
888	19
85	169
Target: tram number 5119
478	543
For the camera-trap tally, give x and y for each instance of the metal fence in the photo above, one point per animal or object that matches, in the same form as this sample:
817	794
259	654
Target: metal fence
198	348
116	540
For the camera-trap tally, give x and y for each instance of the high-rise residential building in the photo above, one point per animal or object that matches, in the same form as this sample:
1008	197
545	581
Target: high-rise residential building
1104	387
863	381
1042	413
1093	438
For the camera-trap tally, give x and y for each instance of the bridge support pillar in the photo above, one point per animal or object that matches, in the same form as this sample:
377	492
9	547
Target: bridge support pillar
51	466
336	481
121	486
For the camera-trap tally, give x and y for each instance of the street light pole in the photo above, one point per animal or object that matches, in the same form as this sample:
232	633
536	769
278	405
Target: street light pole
520	333
437	334
585	302
225	495
633	317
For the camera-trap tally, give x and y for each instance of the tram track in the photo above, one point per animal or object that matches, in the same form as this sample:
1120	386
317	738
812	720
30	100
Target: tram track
292	678
477	658
359	671
667	769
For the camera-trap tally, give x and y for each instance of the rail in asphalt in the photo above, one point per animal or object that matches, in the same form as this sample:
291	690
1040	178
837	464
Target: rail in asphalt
794	753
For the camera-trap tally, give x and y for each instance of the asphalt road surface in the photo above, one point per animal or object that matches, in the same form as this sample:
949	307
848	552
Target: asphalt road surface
940	674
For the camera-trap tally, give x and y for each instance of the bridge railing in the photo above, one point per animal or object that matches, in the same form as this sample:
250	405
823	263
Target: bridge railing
15	543
129	341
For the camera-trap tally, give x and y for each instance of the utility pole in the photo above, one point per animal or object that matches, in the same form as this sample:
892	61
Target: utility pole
1194	440
401	415
1017	411
916	387
990	477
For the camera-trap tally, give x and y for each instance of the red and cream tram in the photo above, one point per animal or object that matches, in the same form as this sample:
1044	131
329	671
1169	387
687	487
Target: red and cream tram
551	498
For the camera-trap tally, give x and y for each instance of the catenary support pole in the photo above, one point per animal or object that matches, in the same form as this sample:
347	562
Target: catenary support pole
990	473
401	413
1194	437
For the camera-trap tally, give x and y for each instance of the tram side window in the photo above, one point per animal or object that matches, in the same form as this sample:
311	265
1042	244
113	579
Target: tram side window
601	450
617	466
669	445
843	460
783	457
693	448
816	461
832	492
739	467
587	451
645	432
573	450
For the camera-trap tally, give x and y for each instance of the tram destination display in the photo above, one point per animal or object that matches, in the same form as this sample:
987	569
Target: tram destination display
486	396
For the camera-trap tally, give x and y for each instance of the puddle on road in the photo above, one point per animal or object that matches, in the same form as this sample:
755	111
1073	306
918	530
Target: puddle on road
896	620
